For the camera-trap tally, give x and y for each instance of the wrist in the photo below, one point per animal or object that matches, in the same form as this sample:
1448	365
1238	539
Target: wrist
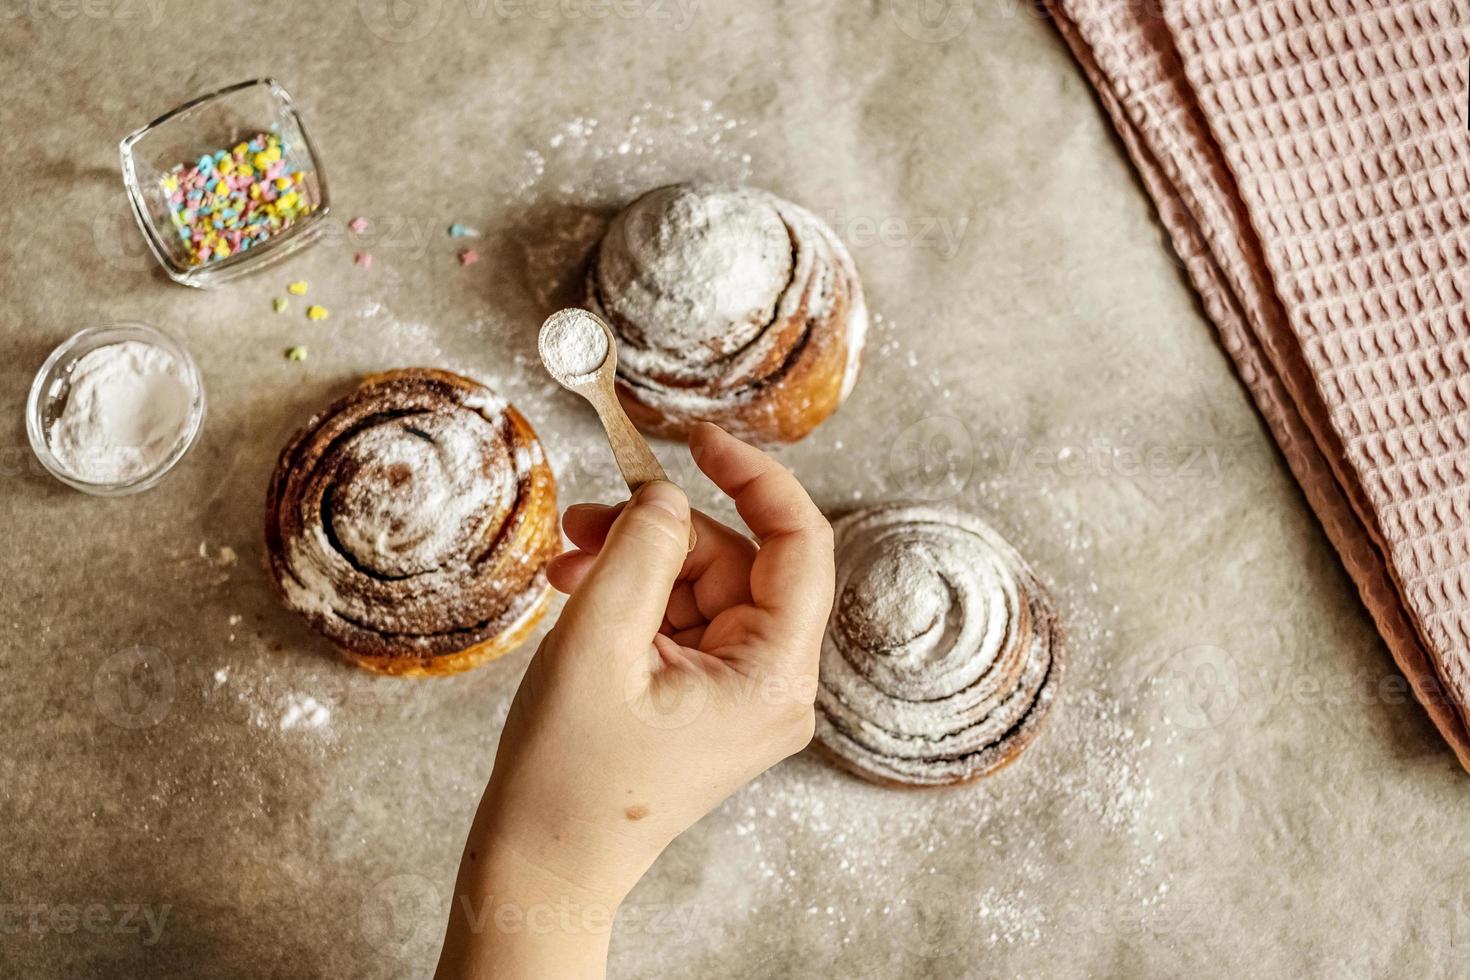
512	918
536	843
526	842
509	877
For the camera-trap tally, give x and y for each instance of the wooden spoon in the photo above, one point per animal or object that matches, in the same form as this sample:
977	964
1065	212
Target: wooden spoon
635	459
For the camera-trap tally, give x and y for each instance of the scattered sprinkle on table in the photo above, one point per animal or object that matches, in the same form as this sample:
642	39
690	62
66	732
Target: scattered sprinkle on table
296	353
297	289
279	304
363	259
468	256
316	313
358	224
230	200
458	230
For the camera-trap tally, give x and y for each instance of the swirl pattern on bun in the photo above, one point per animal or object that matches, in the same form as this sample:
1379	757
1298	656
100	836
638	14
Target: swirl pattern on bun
942	655
730	305
411	524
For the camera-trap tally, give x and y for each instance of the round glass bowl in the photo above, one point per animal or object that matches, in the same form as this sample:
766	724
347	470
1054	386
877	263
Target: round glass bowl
52	387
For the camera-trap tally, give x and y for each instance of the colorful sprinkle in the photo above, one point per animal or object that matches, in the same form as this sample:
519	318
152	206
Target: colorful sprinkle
279	304
458	230
316	313
230	200
468	256
296	353
363	259
358	225
297	288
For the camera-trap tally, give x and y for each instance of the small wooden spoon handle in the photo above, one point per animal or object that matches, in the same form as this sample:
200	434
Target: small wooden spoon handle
636	460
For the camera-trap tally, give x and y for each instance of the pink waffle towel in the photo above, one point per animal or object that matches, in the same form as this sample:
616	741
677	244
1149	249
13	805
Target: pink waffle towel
1311	161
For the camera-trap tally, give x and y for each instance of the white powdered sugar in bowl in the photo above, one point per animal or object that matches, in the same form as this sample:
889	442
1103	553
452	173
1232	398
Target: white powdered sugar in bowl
114	408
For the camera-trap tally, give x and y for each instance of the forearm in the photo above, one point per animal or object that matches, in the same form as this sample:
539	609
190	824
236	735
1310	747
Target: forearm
512	920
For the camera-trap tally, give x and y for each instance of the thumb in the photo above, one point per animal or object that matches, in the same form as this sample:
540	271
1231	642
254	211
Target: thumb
622	600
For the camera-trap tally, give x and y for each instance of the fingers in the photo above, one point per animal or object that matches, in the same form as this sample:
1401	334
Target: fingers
768	496
566	571
620	599
683	611
789	579
691	638
719	566
792	575
586	525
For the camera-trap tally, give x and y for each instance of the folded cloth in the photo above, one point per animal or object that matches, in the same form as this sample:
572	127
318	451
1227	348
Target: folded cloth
1311	162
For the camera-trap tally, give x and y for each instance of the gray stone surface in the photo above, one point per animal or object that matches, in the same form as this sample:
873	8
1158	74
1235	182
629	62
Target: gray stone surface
1234	779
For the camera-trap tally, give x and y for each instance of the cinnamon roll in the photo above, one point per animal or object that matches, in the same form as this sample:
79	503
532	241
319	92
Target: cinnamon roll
730	305
942	655
411	524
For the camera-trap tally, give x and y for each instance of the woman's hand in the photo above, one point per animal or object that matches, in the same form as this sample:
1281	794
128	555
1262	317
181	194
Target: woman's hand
672	678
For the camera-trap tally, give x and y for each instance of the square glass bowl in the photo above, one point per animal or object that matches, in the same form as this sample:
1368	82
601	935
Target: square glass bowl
221	121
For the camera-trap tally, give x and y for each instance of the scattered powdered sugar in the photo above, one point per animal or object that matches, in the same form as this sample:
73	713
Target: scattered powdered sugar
573	345
612	159
394	341
304	711
583	171
942	873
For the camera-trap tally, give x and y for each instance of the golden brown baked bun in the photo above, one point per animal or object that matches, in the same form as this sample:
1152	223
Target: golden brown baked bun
732	306
942	656
411	524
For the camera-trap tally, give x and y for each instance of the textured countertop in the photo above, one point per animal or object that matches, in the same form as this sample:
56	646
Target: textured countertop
1235	773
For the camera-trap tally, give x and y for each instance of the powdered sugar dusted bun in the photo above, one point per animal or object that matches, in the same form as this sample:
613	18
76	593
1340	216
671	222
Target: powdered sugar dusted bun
411	524
731	305
941	658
